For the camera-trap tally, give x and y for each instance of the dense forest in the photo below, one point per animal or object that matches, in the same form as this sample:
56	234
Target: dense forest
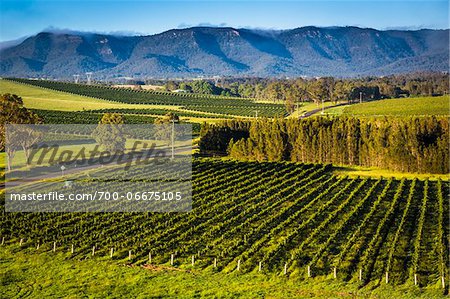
331	89
400	144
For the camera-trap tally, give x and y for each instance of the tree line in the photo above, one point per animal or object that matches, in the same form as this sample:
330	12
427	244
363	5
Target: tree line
329	89
401	144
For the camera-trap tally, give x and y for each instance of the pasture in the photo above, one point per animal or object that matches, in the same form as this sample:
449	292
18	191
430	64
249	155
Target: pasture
56	275
420	106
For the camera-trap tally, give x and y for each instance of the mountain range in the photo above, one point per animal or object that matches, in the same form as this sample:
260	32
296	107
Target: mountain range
216	51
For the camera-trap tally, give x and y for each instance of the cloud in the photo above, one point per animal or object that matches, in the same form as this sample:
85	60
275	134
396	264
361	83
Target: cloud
203	24
12	43
214	25
54	29
412	27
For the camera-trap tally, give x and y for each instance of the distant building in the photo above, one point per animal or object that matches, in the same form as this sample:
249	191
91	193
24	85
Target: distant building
179	91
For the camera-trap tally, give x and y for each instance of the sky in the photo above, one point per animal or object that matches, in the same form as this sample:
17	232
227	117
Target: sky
20	18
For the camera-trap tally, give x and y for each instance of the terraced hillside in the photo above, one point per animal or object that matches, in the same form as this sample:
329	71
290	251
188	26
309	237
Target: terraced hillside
297	220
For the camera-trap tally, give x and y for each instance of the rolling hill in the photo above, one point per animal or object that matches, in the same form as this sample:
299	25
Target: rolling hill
403	107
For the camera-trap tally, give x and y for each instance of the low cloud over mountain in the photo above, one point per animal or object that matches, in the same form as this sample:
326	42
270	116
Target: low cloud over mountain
209	51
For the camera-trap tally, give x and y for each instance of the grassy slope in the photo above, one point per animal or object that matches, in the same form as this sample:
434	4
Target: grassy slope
372	172
39	98
48	275
306	107
397	107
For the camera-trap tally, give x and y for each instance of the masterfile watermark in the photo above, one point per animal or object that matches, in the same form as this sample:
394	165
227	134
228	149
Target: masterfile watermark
53	154
99	168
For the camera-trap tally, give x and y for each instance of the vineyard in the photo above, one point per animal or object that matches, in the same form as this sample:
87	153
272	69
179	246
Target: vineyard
84	117
297	220
91	118
155	111
194	102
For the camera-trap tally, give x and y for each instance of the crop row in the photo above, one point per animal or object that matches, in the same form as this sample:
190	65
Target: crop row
195	102
268	216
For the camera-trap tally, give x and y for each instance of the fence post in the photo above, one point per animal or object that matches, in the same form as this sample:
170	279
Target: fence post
387	277
285	269
149	258
334	272
192	261
415	279
3	240
54	246
21	241
215	262
171	259
309	271
260	267
93	250
443	281
111	252
37	246
239	265
129	254
72	249
360	274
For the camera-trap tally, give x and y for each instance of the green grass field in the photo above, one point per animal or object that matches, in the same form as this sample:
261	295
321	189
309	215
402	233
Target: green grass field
372	172
39	98
421	106
26	273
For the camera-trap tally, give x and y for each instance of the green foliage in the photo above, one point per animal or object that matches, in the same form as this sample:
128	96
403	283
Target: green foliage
359	230
215	139
197	86
110	134
166	127
368	260
399	144
171	117
420	232
13	112
440	239
401	226
85	117
154	111
112	119
344	223
330	89
203	87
